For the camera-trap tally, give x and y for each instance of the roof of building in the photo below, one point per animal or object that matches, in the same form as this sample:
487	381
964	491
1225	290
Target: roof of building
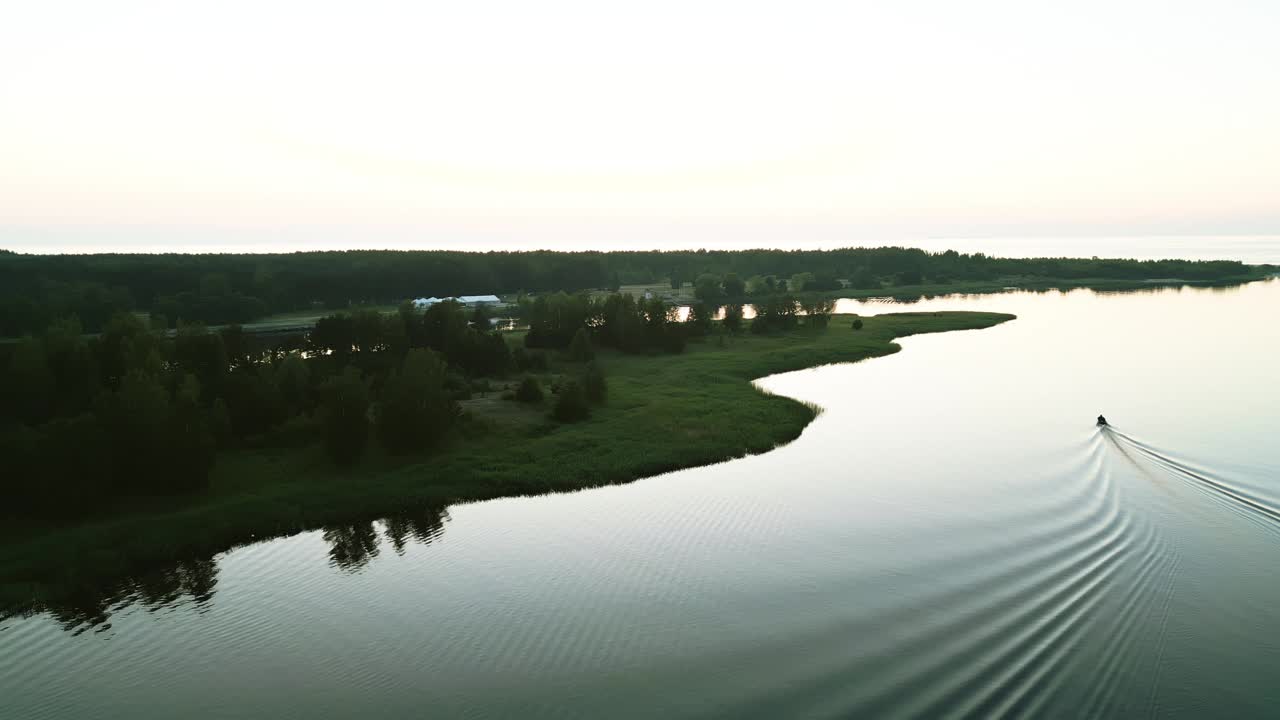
464	299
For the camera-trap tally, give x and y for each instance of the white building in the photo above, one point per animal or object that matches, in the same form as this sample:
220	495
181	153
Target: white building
468	300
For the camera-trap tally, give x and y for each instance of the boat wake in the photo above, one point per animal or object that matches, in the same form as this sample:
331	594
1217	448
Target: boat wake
1231	494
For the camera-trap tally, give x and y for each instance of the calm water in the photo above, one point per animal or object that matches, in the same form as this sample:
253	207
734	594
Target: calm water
953	536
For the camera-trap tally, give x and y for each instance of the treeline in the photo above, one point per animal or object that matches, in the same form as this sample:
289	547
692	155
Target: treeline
36	290
132	413
618	321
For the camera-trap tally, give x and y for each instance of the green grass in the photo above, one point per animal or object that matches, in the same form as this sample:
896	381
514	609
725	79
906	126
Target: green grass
664	413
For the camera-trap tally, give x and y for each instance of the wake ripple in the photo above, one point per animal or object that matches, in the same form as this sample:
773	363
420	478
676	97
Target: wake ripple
1228	493
1005	638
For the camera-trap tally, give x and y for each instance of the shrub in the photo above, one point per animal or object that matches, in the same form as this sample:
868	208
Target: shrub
528	361
593	384
530	391
857	323
580	349
571	403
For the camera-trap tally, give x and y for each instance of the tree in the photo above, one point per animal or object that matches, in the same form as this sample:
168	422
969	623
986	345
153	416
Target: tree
293	383
367	328
333	335
135	422
707	288
190	447
253	400
481	317
857	323
800	282
733	286
203	355
529	391
824	280
74	368
862	279
733	318
236	344
774	313
818	311
571	403
593	384
29	384
415	409
126	345
699	322
677	280
344	413
580	349
909	277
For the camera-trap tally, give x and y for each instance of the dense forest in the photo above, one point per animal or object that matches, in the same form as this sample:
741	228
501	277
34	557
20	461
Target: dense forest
38	290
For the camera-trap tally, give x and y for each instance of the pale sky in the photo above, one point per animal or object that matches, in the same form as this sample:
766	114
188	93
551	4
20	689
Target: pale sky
136	125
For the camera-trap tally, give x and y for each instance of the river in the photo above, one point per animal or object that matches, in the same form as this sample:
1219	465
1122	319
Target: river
953	536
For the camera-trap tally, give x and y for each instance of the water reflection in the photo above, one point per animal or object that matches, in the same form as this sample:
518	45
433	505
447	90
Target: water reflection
353	545
423	527
78	606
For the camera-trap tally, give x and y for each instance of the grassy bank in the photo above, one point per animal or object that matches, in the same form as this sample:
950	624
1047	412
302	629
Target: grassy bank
664	413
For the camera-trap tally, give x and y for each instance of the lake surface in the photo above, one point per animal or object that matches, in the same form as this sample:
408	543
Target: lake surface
952	537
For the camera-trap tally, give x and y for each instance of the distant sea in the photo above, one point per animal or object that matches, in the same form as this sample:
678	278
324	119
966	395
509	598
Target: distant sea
1252	249
1249	249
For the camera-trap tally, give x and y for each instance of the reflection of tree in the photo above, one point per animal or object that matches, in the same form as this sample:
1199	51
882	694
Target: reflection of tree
351	546
81	604
423	525
78	606
189	578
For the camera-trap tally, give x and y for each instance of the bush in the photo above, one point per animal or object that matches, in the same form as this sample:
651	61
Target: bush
857	323
530	391
297	431
571	403
593	384
529	361
580	349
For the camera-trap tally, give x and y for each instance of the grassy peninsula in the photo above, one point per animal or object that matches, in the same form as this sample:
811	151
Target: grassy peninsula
663	412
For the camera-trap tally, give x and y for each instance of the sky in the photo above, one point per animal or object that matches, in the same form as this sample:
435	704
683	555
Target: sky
273	125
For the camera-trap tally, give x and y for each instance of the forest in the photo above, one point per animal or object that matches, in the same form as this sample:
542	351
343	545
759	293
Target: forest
39	290
89	422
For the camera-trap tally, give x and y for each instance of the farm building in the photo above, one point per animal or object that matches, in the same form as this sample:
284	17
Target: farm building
468	300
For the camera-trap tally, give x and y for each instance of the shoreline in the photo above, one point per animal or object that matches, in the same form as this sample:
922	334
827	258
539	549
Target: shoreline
665	413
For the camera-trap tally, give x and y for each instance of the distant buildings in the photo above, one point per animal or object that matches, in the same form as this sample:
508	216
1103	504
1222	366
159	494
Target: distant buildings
468	300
